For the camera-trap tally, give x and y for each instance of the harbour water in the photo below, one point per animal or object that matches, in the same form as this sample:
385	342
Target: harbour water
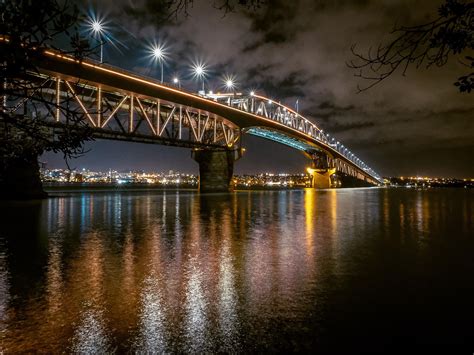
176	271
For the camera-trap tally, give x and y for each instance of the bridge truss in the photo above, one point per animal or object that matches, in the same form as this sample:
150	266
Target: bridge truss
120	115
340	157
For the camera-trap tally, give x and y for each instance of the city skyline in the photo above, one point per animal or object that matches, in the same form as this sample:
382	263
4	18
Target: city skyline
195	172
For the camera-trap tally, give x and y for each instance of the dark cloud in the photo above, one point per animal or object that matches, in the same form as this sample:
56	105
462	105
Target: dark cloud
351	126
298	50
277	22
290	86
326	110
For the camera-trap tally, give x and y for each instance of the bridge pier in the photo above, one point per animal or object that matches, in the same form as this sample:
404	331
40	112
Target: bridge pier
216	168
322	171
322	178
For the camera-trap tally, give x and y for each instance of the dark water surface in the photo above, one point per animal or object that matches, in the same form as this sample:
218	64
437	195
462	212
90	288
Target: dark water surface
359	269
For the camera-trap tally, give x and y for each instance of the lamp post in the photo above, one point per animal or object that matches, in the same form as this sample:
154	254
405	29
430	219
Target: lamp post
229	82
98	28
159	54
199	71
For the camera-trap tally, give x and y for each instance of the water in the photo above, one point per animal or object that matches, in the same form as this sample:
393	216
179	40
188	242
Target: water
359	269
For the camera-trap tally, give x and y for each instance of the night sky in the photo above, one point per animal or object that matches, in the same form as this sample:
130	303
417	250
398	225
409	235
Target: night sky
418	124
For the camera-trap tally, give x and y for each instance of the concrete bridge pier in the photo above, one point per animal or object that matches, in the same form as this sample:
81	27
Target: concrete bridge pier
322	171
322	178
216	168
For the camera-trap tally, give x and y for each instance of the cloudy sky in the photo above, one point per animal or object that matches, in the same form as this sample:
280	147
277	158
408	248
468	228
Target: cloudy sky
418	124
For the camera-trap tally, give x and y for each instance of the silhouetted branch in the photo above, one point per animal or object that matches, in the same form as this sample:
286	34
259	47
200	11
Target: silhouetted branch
231	5
26	29
165	11
426	45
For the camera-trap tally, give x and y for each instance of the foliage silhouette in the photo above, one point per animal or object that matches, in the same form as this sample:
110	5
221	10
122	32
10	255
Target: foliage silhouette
429	44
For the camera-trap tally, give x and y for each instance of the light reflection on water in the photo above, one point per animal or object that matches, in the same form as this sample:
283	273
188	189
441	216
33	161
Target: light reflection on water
90	336
248	271
4	293
152	332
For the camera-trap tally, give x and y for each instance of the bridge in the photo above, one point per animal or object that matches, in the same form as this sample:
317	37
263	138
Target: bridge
120	105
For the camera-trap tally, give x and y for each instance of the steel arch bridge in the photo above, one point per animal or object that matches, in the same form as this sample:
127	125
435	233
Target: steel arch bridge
118	104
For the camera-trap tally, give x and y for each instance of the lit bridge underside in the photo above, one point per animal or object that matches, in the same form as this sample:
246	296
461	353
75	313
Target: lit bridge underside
121	105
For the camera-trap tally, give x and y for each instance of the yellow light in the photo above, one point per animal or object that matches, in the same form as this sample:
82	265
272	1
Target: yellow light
310	170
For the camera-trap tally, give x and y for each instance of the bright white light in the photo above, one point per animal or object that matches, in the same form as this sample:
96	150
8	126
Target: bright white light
199	70
175	80
229	82
97	26
252	93
158	52
270	102
210	92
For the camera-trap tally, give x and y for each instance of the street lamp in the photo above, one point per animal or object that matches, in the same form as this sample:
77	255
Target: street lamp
97	28
177	82
199	72
159	53
229	82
